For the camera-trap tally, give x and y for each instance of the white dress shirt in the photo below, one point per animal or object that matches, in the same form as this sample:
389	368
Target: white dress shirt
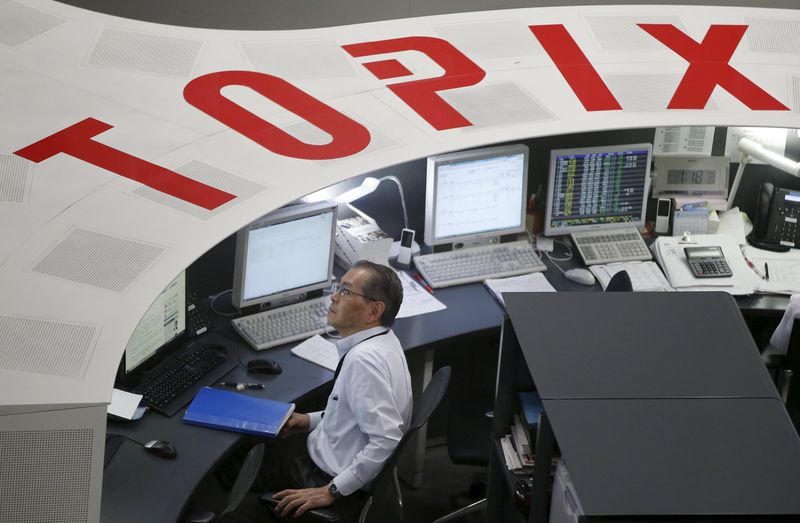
368	410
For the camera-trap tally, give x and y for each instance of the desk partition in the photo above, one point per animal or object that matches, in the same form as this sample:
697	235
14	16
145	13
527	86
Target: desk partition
681	425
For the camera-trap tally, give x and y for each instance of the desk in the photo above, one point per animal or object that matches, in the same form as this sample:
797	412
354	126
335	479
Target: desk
140	487
682	429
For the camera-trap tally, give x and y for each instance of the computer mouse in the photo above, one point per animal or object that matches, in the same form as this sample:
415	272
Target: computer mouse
582	276
161	448
264	366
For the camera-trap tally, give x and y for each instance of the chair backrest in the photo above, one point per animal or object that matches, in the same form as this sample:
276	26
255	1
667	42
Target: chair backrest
621	281
386	507
247	474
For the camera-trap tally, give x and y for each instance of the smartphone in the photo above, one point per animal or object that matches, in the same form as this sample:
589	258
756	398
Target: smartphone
404	253
663	212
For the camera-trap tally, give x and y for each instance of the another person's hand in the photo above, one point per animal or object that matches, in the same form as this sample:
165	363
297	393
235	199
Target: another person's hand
300	501
296	424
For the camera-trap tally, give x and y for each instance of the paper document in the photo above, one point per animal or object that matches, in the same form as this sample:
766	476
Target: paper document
668	251
645	276
416	300
123	404
533	282
683	140
317	349
733	223
780	270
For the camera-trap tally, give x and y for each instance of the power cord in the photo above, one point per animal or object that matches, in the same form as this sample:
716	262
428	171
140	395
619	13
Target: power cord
567	255
217	311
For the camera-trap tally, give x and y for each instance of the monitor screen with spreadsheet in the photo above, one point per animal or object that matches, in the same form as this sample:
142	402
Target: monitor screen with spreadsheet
284	255
597	188
162	324
476	195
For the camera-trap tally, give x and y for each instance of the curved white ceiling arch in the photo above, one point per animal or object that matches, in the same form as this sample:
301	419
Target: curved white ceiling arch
93	104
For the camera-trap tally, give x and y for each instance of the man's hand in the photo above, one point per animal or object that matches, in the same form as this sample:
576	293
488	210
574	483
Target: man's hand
296	424
302	500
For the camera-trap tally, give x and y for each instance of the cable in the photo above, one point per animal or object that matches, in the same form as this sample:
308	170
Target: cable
567	254
218	312
126	437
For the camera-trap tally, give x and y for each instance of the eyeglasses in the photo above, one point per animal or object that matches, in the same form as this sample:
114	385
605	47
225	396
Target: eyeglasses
338	288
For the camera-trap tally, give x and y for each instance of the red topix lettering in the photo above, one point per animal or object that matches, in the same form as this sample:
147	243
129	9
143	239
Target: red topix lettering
349	137
76	141
576	69
709	67
422	95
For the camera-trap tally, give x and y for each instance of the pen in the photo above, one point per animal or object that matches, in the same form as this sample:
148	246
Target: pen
753	266
766	271
421	280
242	386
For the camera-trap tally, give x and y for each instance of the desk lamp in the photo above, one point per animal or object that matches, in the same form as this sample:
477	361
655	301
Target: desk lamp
368	186
751	149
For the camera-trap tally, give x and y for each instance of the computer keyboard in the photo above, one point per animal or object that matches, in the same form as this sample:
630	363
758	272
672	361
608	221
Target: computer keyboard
172	384
610	246
443	269
285	324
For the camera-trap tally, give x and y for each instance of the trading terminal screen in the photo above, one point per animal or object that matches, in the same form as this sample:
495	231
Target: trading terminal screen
597	187
285	255
164	321
476	193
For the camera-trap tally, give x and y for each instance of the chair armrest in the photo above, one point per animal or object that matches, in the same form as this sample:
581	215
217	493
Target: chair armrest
327	514
773	359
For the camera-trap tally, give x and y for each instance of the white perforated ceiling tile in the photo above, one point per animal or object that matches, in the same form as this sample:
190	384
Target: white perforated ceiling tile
209	175
45	475
15	173
20	23
646	92
495	105
145	52
98	259
766	35
621	33
45	347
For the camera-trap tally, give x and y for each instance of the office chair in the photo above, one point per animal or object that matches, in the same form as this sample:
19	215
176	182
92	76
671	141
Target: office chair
469	440
783	368
240	488
385	493
621	281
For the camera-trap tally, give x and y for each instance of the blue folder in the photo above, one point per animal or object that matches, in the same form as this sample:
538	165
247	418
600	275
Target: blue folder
227	410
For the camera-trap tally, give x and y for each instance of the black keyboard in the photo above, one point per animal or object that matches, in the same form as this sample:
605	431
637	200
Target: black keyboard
174	382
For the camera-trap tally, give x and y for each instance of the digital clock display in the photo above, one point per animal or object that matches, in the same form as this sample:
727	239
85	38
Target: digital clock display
691	176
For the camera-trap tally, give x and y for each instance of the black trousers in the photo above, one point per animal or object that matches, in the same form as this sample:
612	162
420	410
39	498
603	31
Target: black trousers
286	465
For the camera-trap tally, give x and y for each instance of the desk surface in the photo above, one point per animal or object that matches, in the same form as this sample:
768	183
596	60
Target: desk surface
140	487
650	459
708	353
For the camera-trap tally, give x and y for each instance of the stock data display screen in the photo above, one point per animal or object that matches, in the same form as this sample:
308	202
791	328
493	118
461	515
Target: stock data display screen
597	188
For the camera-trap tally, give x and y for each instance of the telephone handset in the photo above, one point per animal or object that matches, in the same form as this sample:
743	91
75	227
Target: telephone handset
775	222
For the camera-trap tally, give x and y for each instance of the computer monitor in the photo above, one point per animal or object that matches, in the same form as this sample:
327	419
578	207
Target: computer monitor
158	333
597	188
476	196
285	255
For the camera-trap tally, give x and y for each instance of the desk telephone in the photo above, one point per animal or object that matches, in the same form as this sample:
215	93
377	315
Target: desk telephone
775	221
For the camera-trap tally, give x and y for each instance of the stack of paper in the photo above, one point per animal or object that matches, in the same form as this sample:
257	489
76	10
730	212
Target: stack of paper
317	349
533	282
645	276
668	251
780	270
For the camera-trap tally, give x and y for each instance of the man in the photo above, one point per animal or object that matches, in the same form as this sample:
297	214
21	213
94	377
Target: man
368	409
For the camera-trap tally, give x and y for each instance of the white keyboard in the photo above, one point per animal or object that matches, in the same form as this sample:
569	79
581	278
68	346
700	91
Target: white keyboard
283	325
443	269
611	246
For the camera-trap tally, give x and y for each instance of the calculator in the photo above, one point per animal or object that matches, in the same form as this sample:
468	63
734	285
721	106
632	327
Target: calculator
707	262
